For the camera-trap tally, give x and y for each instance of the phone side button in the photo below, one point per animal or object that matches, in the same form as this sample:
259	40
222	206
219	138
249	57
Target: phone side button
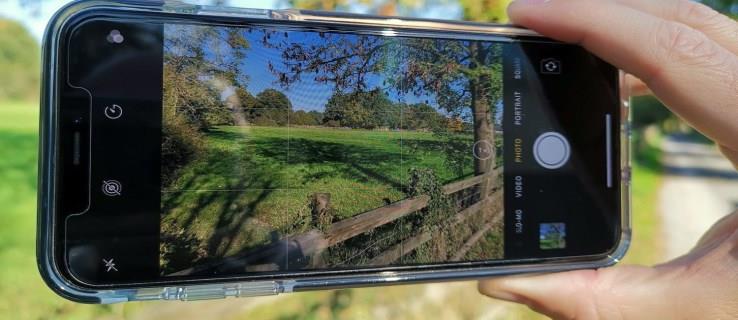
211	291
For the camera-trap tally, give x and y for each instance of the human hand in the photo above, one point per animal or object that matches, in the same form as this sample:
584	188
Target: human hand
687	55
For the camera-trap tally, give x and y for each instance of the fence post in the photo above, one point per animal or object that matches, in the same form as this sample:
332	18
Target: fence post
320	205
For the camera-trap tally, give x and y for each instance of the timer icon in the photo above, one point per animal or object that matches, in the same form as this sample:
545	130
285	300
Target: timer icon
113	111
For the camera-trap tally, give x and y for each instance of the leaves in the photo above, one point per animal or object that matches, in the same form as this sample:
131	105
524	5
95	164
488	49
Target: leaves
19	62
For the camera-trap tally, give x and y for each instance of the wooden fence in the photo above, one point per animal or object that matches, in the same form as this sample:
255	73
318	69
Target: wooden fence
307	247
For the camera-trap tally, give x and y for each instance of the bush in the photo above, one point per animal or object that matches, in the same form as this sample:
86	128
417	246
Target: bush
19	62
181	143
648	110
424	181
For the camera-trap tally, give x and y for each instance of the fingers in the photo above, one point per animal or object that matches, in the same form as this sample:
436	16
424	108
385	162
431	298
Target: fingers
693	75
624	292
714	25
636	86
719	231
559	295
731	154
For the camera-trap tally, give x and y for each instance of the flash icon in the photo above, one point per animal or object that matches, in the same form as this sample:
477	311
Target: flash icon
109	265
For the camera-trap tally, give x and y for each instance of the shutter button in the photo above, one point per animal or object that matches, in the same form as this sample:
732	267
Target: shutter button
551	150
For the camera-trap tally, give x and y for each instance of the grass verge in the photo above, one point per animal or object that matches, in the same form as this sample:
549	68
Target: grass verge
646	247
460	300
23	295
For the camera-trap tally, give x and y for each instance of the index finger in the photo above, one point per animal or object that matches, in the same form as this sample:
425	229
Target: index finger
694	76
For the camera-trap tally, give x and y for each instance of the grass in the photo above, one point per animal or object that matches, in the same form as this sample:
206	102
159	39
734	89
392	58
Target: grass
23	295
460	300
646	244
254	183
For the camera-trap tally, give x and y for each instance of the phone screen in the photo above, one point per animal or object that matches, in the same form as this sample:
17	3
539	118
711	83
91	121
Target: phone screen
199	151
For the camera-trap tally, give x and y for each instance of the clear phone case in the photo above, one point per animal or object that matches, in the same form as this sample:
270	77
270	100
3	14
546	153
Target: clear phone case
235	288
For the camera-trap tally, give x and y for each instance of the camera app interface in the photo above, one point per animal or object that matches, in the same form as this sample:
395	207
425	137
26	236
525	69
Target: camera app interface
290	150
273	150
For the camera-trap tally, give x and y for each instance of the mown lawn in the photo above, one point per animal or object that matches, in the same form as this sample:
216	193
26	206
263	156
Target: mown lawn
23	295
461	301
253	184
646	244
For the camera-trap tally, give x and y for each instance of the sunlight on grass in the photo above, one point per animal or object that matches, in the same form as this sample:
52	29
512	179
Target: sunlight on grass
646	247
461	300
23	295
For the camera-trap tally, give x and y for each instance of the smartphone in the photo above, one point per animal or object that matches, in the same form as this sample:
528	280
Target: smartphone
192	152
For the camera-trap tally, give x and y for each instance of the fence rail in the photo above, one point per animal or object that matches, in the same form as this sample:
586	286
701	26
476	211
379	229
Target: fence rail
314	242
401	249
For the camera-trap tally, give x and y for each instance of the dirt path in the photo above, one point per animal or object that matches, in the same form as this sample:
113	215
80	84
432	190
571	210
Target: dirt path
700	186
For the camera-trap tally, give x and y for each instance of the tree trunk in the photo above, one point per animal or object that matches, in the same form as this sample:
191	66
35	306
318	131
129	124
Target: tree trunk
484	132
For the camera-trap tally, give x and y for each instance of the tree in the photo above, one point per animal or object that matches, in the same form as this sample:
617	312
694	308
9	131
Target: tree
302	118
473	10
729	7
272	108
199	63
19	62
421	116
366	110
273	99
245	99
317	116
346	110
464	76
485	10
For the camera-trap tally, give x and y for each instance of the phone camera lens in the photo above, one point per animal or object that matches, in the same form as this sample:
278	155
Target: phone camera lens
115	37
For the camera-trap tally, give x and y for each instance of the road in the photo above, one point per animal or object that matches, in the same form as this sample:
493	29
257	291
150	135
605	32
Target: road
700	186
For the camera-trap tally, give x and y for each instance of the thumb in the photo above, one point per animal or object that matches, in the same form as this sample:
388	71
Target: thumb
566	295
611	293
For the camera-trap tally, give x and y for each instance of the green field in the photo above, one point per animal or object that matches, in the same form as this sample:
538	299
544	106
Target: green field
23	295
462	301
253	182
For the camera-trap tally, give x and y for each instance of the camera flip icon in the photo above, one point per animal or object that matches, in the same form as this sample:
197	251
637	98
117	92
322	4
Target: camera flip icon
550	66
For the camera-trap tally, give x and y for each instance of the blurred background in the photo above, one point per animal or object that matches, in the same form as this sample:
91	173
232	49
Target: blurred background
681	186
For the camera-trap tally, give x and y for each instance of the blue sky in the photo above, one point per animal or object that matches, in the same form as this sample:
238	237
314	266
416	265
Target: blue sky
304	94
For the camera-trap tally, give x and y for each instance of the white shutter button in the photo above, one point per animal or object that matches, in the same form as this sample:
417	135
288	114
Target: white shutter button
551	150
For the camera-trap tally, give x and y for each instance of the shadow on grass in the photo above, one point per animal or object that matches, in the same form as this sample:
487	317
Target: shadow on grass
353	162
247	176
228	209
